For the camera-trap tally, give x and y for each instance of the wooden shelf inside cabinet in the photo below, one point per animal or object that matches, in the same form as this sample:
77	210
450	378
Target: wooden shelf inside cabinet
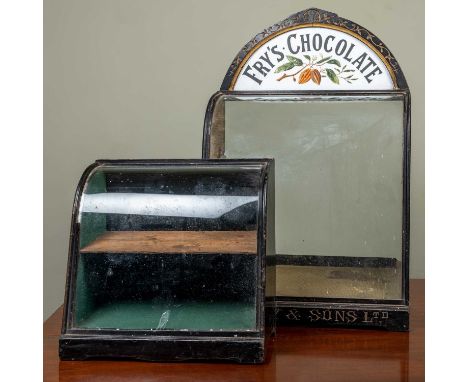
244	242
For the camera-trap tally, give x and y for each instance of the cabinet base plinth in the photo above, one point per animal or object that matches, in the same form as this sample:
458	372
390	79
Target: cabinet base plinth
239	350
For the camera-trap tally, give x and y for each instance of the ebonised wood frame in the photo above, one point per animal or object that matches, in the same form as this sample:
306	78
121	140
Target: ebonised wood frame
172	345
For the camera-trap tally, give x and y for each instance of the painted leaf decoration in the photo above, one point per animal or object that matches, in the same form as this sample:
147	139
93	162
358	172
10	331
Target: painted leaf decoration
323	60
287	66
332	76
296	61
334	62
307	56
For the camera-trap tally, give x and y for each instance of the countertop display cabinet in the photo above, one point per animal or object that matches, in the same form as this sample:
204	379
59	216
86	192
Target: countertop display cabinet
328	100
168	261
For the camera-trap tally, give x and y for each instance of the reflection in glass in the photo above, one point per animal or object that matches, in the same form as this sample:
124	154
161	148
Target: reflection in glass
338	189
164	248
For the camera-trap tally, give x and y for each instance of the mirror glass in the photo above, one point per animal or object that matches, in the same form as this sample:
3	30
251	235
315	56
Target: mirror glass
339	190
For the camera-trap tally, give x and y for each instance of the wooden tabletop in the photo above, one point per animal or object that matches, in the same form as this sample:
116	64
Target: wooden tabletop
296	354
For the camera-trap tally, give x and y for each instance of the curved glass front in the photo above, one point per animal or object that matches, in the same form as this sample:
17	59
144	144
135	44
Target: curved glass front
168	247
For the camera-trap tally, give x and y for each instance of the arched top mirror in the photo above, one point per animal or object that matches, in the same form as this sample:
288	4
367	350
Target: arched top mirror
328	100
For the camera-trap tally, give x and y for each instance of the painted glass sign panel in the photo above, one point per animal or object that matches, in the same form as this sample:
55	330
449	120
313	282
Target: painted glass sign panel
313	58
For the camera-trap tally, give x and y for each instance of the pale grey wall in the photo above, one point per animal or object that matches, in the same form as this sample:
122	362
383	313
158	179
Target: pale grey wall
131	79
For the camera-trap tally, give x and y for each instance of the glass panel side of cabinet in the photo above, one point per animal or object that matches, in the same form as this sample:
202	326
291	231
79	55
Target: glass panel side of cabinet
338	191
168	249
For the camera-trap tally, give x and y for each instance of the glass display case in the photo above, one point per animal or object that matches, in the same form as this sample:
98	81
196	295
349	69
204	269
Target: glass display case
168	261
341	181
328	100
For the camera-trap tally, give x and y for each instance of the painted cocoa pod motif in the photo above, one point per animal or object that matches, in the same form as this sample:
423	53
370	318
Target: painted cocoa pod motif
314	69
305	76
316	76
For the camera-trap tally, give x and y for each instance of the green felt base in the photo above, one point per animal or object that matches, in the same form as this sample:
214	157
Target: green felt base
184	315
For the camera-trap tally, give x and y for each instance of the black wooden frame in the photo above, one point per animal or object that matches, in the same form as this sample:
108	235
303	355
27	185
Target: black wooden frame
173	345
